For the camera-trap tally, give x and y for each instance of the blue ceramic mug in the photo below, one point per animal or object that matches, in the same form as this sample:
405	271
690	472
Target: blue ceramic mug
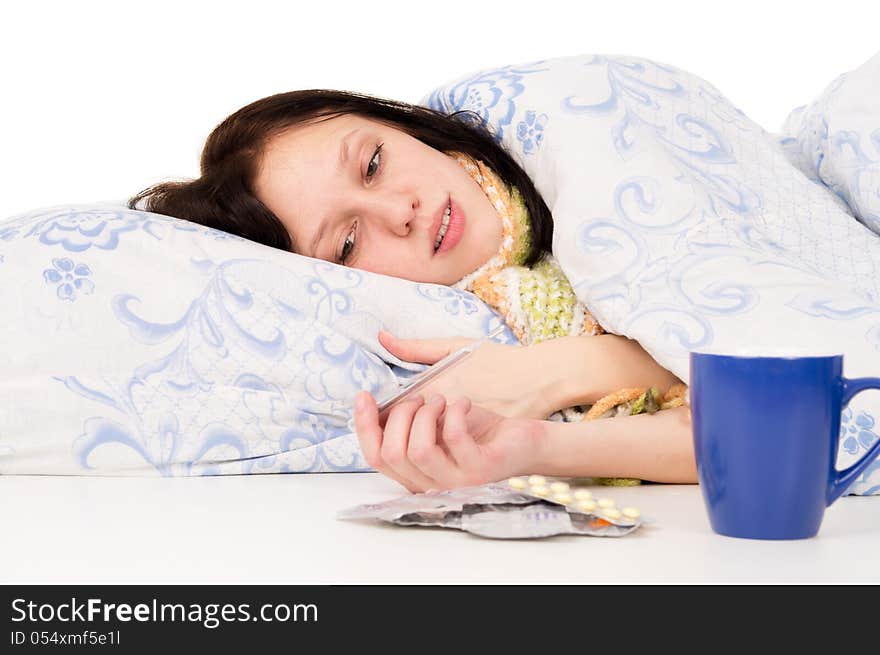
766	432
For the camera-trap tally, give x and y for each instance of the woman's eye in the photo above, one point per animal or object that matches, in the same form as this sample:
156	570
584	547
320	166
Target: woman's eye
376	157
346	248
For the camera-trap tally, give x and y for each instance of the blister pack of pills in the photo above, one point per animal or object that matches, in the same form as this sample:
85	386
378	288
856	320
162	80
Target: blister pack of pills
520	508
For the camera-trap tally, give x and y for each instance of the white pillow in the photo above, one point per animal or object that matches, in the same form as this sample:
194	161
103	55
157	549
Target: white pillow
136	343
837	139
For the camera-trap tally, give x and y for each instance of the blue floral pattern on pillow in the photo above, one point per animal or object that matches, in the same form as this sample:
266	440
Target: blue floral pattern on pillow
69	278
530	131
183	350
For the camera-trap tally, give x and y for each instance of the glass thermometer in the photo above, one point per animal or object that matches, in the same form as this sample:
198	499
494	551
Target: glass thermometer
434	370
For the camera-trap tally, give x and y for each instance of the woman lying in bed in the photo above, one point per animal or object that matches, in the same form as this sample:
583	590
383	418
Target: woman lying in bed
413	193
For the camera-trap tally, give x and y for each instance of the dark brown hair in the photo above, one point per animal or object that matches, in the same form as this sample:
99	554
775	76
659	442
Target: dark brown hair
222	197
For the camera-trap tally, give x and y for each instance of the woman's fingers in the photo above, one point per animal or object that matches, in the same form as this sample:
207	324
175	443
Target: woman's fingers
370	437
458	438
420	447
424	450
396	438
424	351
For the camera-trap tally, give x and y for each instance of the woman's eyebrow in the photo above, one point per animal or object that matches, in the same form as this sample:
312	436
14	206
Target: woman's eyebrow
343	148
317	238
343	158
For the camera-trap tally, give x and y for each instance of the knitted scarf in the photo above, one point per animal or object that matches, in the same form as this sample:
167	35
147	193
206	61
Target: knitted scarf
538	303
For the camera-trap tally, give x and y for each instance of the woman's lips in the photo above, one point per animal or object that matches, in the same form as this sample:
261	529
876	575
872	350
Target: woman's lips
455	230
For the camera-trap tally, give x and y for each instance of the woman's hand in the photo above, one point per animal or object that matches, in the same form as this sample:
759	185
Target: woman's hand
433	445
536	380
512	380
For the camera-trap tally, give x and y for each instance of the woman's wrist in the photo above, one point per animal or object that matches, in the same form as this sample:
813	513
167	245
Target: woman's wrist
556	455
656	447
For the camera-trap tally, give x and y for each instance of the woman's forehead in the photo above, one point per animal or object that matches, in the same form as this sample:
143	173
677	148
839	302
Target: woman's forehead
318	131
289	152
301	166
310	144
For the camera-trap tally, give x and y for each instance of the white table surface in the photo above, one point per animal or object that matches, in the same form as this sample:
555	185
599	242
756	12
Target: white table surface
282	529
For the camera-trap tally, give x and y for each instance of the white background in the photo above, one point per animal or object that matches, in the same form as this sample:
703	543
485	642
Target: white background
101	99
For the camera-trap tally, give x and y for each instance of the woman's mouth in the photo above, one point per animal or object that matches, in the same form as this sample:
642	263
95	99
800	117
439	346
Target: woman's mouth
444	225
451	228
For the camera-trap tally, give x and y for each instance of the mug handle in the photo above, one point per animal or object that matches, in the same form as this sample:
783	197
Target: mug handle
840	480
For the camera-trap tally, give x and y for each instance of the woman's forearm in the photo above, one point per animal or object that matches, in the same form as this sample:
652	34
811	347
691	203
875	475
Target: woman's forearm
657	447
583	369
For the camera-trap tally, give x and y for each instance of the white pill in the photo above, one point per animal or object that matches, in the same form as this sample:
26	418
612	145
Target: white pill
562	497
583	494
586	505
611	513
606	502
631	512
517	483
559	487
537	480
540	490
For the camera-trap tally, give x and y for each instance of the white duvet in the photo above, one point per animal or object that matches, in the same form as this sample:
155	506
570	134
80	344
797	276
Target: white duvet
684	225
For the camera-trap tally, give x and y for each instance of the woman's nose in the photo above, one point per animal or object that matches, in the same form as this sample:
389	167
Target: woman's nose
398	215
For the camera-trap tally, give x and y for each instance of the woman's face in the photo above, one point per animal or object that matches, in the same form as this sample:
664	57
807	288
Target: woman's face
345	199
